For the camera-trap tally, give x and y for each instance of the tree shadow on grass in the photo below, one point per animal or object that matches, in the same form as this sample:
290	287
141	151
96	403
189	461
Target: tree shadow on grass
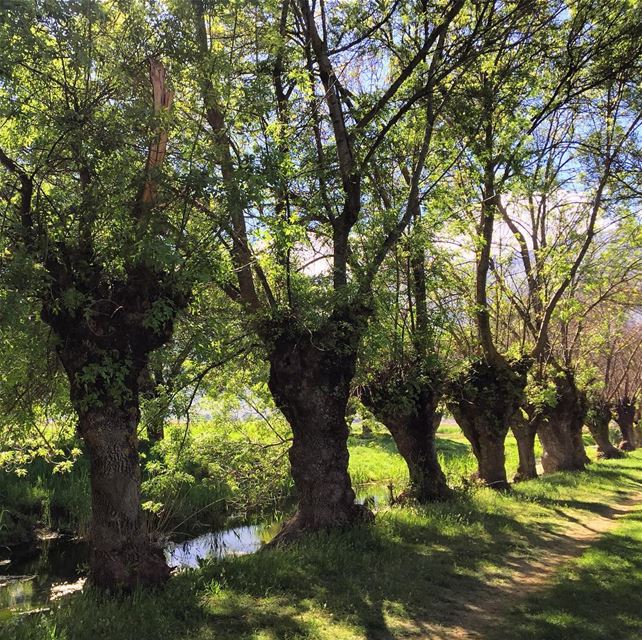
597	597
420	568
414	565
452	448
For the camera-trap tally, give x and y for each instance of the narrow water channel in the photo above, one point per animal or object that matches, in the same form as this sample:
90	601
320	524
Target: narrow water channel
35	575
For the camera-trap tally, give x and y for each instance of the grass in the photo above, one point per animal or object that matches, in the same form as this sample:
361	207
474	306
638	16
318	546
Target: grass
598	596
43	498
401	577
219	474
374	459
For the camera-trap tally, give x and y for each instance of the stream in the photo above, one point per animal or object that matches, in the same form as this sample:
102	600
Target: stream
32	576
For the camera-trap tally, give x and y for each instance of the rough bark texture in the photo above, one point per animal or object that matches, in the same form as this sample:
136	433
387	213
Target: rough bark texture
407	406
121	555
625	418
310	382
560	427
598	419
103	345
484	401
524	431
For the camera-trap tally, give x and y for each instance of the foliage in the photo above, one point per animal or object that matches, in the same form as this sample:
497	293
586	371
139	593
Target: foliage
218	471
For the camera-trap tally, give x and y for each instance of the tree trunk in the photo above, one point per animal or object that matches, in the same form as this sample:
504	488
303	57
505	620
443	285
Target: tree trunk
415	439
409	411
598	419
103	354
625	418
487	444
483	401
122	556
524	431
560	428
310	385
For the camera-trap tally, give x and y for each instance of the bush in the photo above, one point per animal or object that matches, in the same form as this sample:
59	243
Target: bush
219	471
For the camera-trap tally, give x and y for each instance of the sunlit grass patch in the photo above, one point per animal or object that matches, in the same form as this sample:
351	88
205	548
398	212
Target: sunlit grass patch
597	596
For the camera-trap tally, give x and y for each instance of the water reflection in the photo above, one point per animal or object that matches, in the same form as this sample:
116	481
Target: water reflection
17	592
374	496
32	576
232	542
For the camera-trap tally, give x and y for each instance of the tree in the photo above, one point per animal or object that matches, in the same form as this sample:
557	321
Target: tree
300	184
404	363
528	155
95	220
499	102
561	201
613	348
625	382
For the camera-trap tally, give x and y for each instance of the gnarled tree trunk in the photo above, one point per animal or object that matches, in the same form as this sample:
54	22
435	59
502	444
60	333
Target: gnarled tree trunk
560	427
103	348
310	383
524	431
598	419
408	409
484	401
121	554
625	418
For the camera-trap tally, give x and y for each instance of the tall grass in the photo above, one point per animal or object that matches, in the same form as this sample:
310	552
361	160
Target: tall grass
45	498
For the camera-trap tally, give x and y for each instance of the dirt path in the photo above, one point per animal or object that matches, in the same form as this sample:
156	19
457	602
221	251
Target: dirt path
486	605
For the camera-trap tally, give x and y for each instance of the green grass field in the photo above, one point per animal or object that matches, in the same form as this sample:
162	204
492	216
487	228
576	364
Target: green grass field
405	576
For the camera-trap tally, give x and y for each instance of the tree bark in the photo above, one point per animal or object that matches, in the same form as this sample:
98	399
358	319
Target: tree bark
310	383
484	401
625	418
524	431
122	556
487	442
598	419
637	424
103	353
560	428
408	409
